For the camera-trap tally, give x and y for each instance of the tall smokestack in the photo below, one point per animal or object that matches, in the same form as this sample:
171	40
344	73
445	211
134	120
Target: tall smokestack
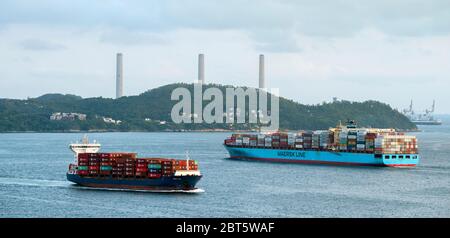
261	72
201	68
119	76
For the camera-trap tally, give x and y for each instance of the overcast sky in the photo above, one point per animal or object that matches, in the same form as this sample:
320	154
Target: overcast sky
391	51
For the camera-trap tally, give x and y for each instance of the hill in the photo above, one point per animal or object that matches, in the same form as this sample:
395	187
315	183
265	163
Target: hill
150	111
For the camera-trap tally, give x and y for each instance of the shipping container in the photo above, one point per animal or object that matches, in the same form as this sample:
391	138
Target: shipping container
82	172
82	167
151	175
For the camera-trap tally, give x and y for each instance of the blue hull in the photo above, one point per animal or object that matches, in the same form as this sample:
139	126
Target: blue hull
163	183
322	157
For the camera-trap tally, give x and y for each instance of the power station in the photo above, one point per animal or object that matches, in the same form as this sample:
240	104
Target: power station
201	72
262	83
201	68
119	76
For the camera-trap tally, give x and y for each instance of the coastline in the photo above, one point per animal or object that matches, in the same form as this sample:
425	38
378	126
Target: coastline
165	131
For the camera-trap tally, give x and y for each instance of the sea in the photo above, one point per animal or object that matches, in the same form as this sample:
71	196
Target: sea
33	181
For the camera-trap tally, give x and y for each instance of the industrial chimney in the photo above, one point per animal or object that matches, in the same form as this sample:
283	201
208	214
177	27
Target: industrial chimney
261	72
201	68
119	76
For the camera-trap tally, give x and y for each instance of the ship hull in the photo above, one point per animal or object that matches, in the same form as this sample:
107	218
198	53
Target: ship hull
321	157
157	184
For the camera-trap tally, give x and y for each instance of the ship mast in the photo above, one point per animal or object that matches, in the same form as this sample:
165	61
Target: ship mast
432	107
187	160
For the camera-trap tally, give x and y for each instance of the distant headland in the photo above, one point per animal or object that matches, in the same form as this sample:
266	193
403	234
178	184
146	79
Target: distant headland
151	111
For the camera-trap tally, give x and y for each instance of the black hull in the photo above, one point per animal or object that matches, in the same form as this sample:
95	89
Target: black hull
154	184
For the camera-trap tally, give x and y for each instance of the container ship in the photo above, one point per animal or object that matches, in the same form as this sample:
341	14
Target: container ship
120	170
342	145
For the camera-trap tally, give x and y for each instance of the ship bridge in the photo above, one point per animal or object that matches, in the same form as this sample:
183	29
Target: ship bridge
85	146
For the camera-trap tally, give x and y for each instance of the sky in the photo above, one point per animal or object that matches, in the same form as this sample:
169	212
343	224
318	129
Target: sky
390	51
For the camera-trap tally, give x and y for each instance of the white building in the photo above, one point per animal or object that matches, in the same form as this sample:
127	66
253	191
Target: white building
111	121
70	116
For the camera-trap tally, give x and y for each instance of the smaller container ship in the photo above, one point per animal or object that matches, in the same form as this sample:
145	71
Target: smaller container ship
120	170
343	145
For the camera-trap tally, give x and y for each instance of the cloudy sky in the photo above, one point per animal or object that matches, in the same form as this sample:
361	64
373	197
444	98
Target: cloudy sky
391	51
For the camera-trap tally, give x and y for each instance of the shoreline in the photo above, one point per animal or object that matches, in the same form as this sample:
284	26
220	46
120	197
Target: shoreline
165	131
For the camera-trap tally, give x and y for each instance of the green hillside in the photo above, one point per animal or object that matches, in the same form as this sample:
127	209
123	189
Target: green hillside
155	106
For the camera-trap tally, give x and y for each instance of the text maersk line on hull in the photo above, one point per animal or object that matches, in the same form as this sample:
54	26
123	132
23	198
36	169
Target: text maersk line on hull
291	154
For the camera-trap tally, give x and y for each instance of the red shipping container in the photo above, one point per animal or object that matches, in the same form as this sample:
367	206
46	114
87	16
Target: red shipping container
83	159
82	164
153	175
141	160
141	169
129	160
82	155
183	162
82	172
154	161
105	155
141	165
119	160
93	167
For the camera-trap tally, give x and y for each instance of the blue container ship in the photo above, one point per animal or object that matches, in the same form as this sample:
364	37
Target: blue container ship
343	145
322	157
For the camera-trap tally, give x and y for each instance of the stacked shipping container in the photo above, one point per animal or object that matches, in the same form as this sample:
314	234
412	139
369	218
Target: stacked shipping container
353	139
127	165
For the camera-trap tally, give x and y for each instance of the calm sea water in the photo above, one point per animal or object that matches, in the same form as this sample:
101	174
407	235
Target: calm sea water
33	183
